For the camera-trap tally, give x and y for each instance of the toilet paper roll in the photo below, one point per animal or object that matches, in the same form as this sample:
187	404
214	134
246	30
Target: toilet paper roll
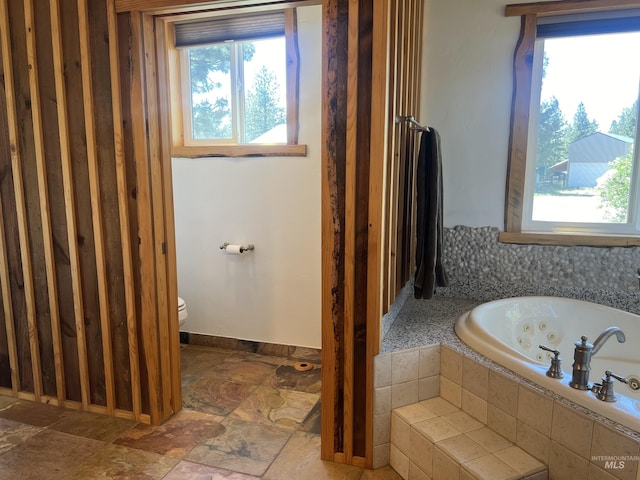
234	249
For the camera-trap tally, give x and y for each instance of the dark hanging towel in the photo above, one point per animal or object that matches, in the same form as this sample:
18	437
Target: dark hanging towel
430	272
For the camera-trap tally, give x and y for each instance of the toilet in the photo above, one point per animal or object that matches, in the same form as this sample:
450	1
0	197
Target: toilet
182	311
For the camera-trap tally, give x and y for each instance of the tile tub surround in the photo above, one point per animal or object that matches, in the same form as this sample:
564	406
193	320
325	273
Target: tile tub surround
401	378
569	439
548	427
434	439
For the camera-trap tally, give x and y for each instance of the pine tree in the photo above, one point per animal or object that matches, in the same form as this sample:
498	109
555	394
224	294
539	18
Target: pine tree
262	112
627	122
581	126
552	129
211	118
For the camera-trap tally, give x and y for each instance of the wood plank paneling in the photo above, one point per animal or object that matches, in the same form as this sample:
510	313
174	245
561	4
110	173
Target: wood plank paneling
97	263
132	369
158	220
8	356
42	114
25	326
115	346
367	203
363	327
405	40
163	74
67	258
70	330
86	306
97	336
126	48
148	326
9	233
388	256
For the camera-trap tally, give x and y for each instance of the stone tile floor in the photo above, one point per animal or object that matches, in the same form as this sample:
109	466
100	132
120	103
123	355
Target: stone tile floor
245	416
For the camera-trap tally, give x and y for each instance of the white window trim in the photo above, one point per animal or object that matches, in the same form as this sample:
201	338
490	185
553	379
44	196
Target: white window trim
187	103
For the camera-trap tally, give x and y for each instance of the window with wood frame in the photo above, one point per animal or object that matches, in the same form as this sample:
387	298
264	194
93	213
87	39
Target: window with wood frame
573	169
235	92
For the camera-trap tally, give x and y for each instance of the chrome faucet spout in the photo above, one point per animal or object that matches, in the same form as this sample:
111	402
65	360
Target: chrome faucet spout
606	334
583	353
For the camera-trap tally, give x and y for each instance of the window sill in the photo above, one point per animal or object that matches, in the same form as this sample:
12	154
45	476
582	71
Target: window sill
240	151
568	240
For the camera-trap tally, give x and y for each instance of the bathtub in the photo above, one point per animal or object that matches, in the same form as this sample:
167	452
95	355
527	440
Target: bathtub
509	332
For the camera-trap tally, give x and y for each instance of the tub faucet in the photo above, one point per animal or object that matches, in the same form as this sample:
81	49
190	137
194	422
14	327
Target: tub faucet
583	353
606	335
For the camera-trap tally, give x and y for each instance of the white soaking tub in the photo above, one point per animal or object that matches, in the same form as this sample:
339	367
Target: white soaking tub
509	332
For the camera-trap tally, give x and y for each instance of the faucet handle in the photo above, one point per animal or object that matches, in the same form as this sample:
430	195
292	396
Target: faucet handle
604	391
610	375
555	370
547	349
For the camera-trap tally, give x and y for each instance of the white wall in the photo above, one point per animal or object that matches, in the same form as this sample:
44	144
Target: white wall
274	293
466	95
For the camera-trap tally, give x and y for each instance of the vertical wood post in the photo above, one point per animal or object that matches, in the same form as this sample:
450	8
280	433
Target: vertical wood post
123	198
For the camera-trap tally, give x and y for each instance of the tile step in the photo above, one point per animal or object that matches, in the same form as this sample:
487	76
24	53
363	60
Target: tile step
435	440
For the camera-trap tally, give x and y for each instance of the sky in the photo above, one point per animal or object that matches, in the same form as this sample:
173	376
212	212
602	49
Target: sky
602	71
272	54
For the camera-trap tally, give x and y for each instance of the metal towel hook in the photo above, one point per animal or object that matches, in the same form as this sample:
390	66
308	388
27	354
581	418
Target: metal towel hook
411	119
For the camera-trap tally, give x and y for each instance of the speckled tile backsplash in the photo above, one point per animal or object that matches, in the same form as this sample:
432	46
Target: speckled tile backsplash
482	268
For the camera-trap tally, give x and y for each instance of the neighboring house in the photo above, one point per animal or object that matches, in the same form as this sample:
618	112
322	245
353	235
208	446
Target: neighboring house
590	156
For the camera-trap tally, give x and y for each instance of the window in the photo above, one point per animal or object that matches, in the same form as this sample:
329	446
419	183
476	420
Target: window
574	171
237	88
236	92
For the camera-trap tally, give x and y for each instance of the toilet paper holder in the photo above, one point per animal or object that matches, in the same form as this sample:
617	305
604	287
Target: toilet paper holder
243	249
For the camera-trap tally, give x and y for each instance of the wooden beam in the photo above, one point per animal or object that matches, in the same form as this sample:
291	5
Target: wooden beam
96	205
522	77
148	323
7	306
157	201
179	6
389	221
232	151
293	75
418	20
404	108
16	168
6	285
123	208
568	240
332	303
378	165
560	7
162	31
66	161
350	207
43	190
